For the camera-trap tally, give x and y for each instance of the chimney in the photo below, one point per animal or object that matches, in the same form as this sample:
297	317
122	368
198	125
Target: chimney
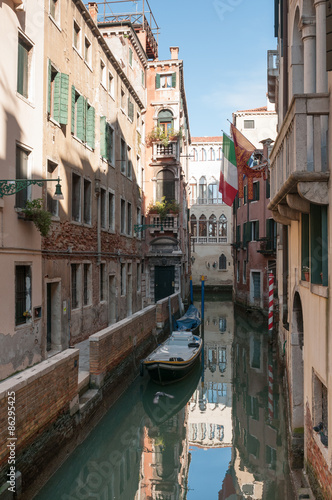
93	11
174	52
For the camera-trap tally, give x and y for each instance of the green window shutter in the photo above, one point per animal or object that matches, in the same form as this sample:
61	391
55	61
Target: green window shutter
90	127
72	109
49	77
244	234
267	183
109	143
56	97
304	243
103	148
80	128
64	91
324	277
157	81
173	80
258	184
248	231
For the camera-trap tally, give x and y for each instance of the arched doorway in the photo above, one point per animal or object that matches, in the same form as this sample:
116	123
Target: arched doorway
297	381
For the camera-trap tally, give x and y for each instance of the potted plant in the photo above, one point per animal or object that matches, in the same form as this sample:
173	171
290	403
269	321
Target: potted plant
41	218
158	134
305	270
163	207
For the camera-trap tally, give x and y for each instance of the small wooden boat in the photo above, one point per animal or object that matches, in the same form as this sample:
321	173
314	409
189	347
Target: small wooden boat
175	358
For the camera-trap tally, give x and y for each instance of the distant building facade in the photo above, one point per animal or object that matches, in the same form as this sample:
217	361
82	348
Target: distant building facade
254	229
210	218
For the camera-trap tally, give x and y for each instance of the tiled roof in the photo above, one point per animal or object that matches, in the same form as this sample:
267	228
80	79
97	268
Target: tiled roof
256	110
207	139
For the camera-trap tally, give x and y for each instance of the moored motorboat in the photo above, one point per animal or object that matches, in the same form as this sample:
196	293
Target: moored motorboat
189	321
175	358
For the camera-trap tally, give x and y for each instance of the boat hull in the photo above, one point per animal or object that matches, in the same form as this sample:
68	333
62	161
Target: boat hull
167	372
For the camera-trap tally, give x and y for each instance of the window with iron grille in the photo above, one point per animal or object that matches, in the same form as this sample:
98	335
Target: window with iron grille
22	294
74	286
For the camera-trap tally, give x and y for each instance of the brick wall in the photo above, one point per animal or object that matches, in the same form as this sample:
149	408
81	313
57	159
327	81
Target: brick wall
109	347
42	393
318	471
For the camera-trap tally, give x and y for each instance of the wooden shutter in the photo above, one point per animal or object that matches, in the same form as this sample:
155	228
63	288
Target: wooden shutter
173	80
157	81
80	127
256	230
49	78
103	147
56	96
72	109
64	91
90	127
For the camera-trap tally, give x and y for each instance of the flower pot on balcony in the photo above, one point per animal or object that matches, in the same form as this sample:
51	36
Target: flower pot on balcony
306	275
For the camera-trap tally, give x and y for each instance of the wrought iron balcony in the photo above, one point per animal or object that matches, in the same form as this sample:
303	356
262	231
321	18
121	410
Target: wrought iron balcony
267	246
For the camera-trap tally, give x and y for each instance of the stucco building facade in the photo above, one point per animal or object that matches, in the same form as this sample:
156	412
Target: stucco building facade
300	81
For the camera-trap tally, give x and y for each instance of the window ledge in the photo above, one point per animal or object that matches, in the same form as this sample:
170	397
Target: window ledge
25	99
88	65
103	86
77	52
78	140
111	95
322	448
54	22
320	290
304	283
51	119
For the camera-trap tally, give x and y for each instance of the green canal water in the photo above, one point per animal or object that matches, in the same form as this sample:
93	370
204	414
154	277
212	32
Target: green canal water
219	434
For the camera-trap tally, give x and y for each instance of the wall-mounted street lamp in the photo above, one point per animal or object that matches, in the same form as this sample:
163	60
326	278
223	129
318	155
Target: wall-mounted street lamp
13	186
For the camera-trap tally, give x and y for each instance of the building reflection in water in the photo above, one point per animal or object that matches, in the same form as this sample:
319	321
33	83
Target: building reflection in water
144	447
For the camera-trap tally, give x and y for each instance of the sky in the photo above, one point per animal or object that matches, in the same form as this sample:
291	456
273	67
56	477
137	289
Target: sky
223	45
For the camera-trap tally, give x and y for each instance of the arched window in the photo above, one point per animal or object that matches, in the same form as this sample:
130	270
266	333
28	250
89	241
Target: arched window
222	262
202	190
202	226
222	228
213	226
165	185
212	154
193	226
213	191
194	154
219	153
165	120
203	154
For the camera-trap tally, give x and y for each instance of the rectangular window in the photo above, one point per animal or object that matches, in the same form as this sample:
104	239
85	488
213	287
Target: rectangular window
249	124
87	202
52	205
102	271
320	406
55	10
122	101
165	81
123	279
86	284
22	160
77	37
131	109
244	271
111	218
74	286
238	271
139	276
87	51
58	93
129	219
254	230
22	294
256	280
103	208
143	78
123	216
318	244
110	84
102	73
123	153
76	198
23	66
106	140
130	57
129	163
256	191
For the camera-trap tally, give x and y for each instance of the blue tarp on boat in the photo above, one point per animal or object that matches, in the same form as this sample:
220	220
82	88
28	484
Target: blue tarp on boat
189	321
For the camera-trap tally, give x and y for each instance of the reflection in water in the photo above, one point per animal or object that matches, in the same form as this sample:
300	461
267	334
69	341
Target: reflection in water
218	434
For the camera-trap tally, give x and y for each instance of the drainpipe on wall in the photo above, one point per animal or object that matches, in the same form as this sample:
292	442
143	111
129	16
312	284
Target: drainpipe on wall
97	193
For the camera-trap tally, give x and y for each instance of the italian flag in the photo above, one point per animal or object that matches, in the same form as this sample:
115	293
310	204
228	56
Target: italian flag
228	184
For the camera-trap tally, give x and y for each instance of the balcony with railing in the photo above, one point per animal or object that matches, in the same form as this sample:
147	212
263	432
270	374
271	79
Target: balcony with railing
299	168
169	223
161	151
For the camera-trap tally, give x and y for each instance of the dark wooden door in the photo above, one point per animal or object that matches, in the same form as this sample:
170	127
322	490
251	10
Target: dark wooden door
163	281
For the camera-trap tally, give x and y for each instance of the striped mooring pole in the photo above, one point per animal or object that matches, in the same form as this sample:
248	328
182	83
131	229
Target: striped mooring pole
270	390
270	320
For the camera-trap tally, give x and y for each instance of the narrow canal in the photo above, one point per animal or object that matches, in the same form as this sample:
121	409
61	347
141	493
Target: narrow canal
219	434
